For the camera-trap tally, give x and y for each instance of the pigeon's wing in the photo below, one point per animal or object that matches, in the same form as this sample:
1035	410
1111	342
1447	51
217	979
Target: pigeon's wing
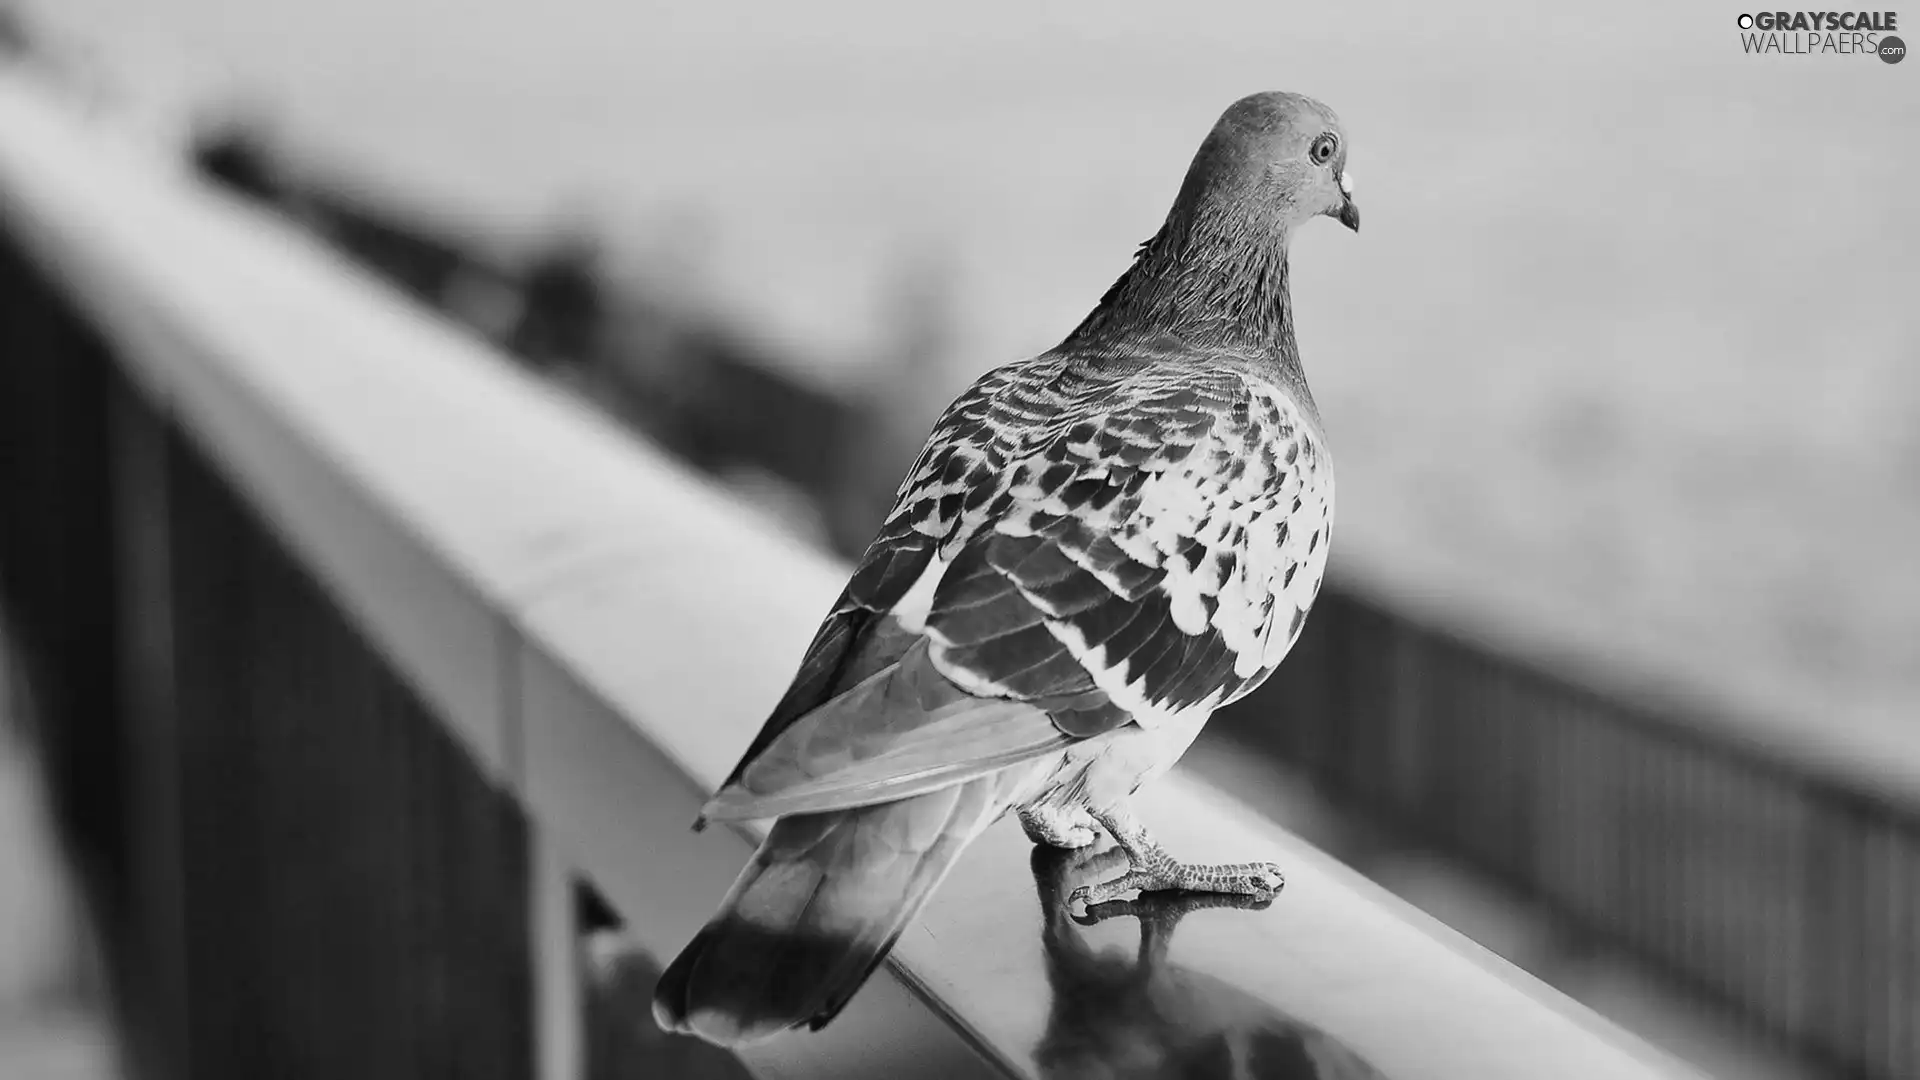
862	642
1158	555
1077	548
859	638
903	731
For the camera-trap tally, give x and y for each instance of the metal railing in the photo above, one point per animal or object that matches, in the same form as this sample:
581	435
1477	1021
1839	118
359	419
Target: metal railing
1788	892
361	648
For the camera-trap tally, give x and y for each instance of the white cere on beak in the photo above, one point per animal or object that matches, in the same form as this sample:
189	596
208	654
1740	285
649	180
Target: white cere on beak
1346	184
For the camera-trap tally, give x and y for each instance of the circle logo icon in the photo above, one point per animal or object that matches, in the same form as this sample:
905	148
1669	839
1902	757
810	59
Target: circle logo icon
1892	50
1744	22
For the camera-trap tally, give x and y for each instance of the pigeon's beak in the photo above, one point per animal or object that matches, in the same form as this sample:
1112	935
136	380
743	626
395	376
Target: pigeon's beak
1349	213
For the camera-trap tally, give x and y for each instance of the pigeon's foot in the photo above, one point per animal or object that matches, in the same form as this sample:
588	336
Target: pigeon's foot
1153	870
1059	826
1165	910
1257	880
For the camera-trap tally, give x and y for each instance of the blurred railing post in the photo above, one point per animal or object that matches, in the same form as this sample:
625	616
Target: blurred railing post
559	1006
144	548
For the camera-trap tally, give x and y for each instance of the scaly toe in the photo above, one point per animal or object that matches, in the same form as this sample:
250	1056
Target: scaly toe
1274	879
1171	907
1268	878
1102	891
1249	879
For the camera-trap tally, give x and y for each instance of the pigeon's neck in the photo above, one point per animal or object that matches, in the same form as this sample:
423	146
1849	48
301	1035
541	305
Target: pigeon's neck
1214	280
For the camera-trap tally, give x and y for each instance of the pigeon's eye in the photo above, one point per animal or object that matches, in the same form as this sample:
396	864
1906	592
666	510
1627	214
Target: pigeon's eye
1322	149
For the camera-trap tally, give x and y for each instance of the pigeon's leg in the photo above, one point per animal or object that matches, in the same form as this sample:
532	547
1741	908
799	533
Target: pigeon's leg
1058	826
1154	870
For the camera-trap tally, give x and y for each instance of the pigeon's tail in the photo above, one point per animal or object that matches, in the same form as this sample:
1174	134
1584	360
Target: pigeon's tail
816	911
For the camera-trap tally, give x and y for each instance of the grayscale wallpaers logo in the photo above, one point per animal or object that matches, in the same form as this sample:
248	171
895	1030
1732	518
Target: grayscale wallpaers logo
1823	33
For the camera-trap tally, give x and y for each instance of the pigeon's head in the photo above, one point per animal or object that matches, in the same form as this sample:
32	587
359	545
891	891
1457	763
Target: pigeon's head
1216	271
1277	157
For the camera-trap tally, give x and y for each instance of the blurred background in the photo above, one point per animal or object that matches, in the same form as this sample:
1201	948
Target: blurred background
1623	378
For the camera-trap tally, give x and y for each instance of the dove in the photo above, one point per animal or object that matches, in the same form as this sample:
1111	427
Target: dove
1097	548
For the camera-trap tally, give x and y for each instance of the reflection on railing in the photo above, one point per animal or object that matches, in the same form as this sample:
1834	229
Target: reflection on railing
1125	1014
618	977
389	646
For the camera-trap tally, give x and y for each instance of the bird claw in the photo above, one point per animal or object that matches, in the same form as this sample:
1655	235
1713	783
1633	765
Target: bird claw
1171	907
1101	892
1260	881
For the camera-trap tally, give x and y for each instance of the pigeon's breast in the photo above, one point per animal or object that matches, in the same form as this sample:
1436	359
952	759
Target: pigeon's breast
1300	532
1268	532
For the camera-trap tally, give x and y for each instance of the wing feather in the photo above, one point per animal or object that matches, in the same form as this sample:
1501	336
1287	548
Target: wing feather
904	731
1104	543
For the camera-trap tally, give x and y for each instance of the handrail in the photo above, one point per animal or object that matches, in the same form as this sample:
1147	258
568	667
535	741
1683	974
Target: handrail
604	633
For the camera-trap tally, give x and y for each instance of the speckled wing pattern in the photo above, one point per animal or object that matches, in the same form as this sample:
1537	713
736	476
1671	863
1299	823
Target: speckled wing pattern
1113	539
1123	539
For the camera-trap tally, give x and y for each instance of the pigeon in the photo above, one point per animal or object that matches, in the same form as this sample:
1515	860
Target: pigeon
1097	548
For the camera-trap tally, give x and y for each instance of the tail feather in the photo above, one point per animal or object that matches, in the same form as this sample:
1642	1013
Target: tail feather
815	911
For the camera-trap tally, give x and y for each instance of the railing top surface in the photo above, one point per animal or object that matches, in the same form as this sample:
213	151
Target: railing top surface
606	633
